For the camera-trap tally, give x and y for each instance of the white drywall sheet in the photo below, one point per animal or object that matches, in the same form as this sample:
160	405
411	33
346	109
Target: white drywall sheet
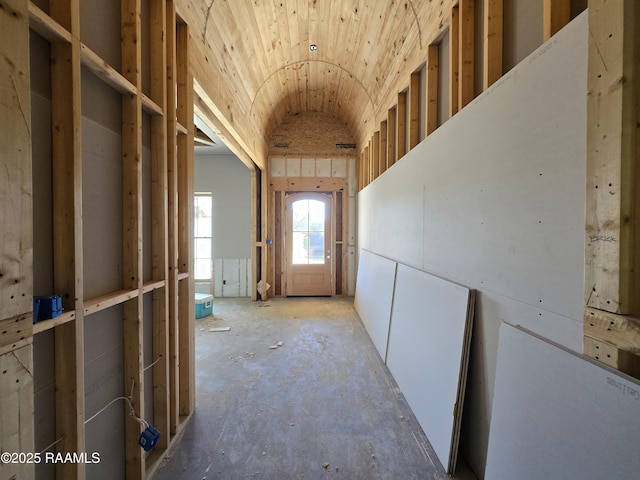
494	200
560	415
374	295
428	353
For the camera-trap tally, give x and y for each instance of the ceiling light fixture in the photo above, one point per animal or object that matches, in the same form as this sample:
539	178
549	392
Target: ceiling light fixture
313	47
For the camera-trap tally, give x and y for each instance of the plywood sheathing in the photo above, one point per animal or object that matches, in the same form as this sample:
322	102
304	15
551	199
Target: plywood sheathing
16	247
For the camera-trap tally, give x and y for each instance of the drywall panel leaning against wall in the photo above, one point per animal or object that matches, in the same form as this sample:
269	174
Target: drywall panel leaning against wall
374	297
428	354
494	199
560	415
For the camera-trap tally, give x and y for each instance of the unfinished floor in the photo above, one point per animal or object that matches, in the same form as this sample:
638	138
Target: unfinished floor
320	405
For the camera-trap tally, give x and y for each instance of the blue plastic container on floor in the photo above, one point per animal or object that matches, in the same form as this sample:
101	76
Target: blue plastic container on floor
204	305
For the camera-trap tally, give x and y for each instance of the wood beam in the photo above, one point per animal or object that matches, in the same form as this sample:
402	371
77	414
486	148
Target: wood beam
186	327
172	204
612	356
466	84
383	146
391	136
375	154
160	220
454	59
433	69
256	254
612	270
401	126
367	164
556	14
67	234
618	330
132	262
414	110
493	39
612	263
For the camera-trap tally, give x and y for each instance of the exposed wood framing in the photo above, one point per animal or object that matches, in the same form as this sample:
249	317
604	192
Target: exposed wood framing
401	126
337	233
264	215
612	275
67	241
172	183
171	193
372	170
47	27
256	253
302	184
159	225
612	264
391	136
132	232
375	157
414	109
493	35
618	330
556	14
454	59
186	338
612	356
383	146
433	71
367	166
466	83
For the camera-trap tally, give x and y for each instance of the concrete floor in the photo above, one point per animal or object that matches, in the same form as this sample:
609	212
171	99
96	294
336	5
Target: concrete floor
321	405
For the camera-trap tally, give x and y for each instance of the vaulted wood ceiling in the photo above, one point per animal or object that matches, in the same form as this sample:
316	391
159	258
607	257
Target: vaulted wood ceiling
254	68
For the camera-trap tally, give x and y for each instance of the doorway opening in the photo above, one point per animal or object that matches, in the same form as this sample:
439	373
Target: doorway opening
308	244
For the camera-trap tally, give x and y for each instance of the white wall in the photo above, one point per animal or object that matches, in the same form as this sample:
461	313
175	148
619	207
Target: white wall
494	200
230	182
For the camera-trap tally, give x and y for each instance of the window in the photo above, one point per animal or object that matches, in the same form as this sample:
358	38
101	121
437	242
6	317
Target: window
203	227
308	232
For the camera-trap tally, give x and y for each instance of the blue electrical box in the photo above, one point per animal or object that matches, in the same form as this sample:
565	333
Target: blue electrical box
46	307
204	305
149	438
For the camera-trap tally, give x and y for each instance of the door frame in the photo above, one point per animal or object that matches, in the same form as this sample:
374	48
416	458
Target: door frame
328	199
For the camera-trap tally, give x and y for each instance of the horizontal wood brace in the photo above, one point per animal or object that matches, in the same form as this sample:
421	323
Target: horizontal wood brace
620	331
47	27
45	325
103	302
308	184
